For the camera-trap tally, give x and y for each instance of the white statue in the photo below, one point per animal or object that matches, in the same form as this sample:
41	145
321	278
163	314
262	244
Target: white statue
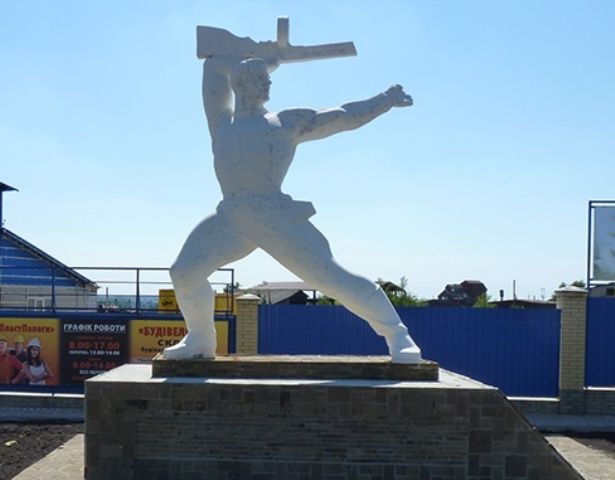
253	149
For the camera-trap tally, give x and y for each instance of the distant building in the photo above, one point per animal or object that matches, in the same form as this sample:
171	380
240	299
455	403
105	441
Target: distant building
32	279
464	294
518	303
391	288
284	293
607	290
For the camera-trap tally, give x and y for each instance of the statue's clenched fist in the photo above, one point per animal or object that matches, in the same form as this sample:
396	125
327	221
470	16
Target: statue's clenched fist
398	97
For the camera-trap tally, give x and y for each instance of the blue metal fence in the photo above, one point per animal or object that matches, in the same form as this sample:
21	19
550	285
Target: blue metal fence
516	350
600	347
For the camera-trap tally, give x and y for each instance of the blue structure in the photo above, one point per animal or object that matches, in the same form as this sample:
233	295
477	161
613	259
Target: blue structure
30	278
600	347
516	350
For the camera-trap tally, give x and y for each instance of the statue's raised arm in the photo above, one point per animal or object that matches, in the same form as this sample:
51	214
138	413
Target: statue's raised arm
222	51
217	92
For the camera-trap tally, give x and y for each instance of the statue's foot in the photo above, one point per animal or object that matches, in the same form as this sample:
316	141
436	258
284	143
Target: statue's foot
407	355
403	350
191	346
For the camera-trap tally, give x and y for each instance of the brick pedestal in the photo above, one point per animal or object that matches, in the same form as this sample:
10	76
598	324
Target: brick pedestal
247	324
572	302
281	429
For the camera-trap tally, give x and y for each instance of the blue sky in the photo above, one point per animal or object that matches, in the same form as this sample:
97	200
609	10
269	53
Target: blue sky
487	177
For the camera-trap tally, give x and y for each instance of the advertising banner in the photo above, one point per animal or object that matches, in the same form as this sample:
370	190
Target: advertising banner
167	301
604	243
91	347
29	351
150	337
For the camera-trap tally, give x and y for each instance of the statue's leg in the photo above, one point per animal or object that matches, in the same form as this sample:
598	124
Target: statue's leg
210	246
305	251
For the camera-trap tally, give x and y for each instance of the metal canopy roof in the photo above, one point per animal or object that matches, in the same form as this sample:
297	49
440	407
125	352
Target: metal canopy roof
288	286
7	188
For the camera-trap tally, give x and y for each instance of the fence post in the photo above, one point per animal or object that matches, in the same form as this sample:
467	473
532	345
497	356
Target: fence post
247	325
572	302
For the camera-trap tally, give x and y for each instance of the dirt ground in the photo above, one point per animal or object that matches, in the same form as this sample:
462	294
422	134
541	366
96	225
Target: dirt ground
22	444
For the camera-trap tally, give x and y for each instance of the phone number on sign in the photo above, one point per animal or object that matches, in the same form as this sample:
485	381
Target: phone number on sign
86	345
94	365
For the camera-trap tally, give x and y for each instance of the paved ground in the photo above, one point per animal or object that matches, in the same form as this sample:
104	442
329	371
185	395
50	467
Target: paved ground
590	463
64	463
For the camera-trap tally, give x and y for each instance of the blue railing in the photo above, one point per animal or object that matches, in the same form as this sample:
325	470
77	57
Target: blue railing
131	290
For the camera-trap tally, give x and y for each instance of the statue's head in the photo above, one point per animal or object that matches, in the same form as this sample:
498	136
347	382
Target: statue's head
250	81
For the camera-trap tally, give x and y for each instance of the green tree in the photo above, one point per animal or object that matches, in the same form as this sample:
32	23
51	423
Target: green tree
483	301
324	300
399	295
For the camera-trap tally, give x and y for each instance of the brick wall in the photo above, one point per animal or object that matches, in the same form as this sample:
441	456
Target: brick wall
139	427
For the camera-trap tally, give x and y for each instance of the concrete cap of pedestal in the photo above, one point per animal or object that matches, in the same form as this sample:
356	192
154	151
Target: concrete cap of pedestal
248	296
571	290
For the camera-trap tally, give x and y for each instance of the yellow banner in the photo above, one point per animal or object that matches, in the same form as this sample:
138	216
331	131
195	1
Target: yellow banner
44	333
167	300
150	337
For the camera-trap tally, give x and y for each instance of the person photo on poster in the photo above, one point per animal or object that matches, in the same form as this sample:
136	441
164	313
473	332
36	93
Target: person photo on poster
10	367
35	368
18	349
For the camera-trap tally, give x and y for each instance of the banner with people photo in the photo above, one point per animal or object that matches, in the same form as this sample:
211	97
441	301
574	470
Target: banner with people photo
29	351
91	347
67	351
